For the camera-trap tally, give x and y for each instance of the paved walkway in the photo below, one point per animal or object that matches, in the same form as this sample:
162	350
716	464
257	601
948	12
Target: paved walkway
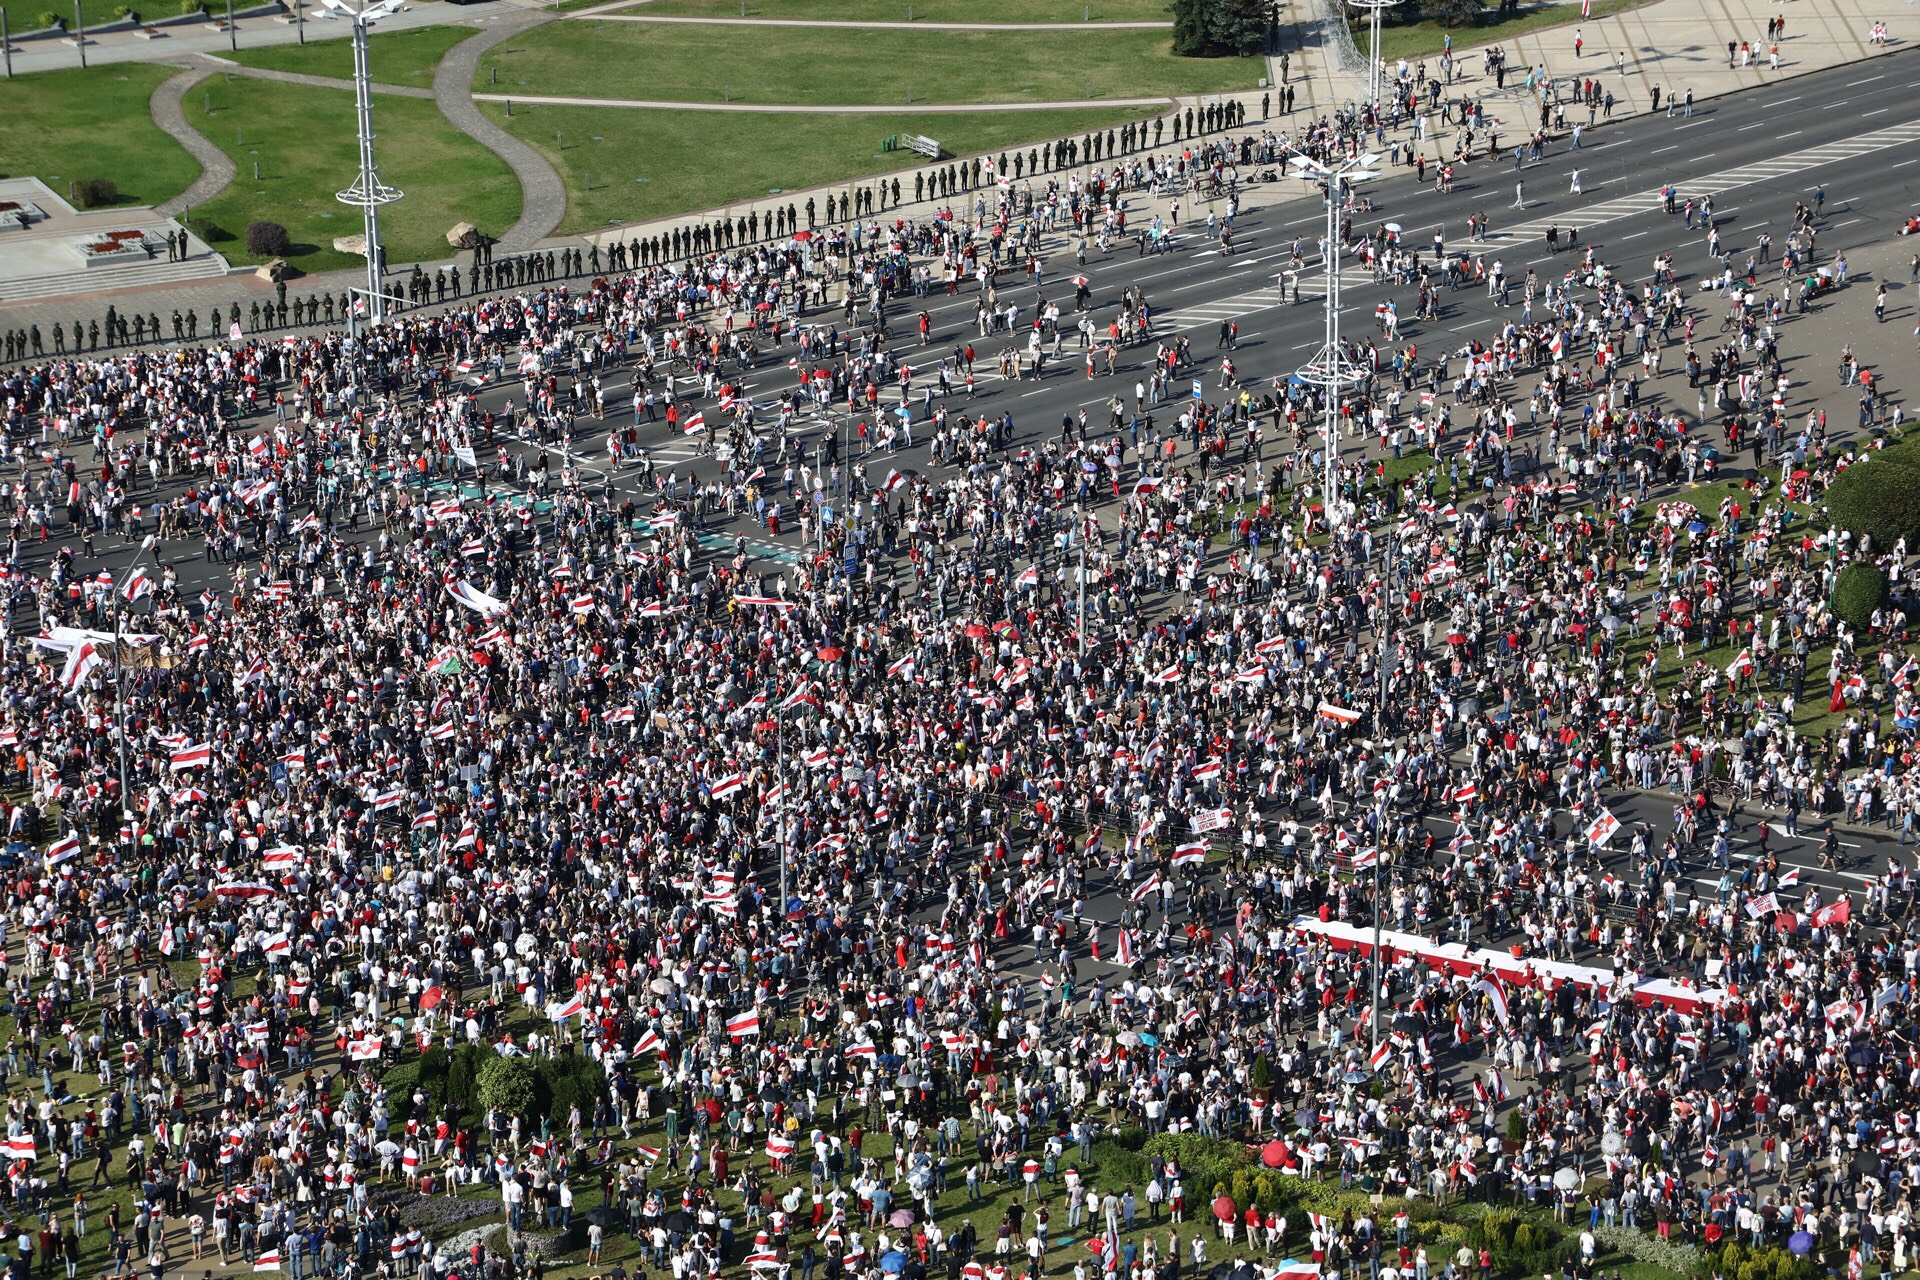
827	108
874	26
185	41
168	106
543	199
314	82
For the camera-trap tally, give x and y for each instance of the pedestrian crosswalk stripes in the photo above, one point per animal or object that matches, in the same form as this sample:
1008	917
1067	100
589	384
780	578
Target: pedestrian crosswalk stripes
1313	284
1717	183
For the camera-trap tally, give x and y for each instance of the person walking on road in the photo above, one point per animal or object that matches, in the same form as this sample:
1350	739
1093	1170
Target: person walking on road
1575	188
1519	195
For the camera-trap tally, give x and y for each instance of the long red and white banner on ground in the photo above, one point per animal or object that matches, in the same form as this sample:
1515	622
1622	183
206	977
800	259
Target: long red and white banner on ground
1519	971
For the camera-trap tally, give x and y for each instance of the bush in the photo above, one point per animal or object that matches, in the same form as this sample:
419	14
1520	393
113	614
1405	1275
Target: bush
191	7
96	193
1265	1194
1516	1127
209	230
1857	593
1118	1164
1734	1262
1643	1247
560	1084
1878	498
51	21
1203	1161
506	1084
463	1070
268	240
1241	1188
126	11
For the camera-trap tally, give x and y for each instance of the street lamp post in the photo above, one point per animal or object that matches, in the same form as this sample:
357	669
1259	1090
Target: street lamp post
780	849
120	665
1376	73
1379	732
367	193
1331	370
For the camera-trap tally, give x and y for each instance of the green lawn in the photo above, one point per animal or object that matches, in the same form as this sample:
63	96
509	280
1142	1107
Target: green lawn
1415	40
700	160
63	126
919	10
303	140
789	65
394	57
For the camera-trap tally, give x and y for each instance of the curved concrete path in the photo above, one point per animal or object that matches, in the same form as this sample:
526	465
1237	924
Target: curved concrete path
665	20
824	108
217	170
543	200
314	82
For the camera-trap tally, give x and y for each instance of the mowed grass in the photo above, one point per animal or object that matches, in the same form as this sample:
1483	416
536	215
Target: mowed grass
303	140
801	66
64	126
394	57
1415	40
702	160
917	10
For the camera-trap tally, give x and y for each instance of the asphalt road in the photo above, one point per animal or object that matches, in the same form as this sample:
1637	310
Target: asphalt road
1850	131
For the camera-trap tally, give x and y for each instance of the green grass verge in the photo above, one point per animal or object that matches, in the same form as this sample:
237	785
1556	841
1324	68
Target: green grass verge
802	66
394	57
700	160
918	10
1415	40
65	126
303	140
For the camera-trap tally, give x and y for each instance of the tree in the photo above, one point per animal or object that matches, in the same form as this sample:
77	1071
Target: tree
1236	28
1879	498
506	1084
1190	28
1219	28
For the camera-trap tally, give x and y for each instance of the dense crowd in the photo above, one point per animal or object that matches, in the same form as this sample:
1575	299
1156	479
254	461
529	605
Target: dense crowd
441	731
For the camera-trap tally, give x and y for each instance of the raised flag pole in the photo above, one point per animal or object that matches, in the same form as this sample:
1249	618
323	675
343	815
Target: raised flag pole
1082	540
120	666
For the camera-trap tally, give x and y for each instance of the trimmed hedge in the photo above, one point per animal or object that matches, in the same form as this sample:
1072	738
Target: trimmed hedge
1858	592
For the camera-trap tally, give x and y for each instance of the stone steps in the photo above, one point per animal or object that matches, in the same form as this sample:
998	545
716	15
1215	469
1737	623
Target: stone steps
135	275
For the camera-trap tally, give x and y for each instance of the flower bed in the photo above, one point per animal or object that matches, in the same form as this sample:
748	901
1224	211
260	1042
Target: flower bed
114	248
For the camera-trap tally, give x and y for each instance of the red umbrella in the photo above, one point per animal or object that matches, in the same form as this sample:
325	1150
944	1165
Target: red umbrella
1223	1208
831	654
977	631
1274	1154
1454	637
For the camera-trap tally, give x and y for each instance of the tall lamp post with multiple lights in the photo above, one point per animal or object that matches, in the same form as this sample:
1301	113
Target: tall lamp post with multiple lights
1330	370
1376	73
367	193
